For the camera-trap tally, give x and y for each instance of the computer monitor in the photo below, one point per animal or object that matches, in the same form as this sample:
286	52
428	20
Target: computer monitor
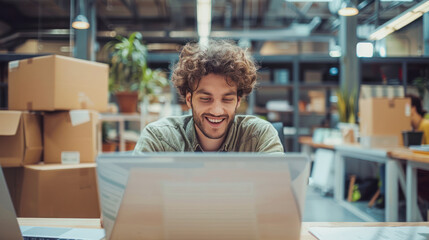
202	195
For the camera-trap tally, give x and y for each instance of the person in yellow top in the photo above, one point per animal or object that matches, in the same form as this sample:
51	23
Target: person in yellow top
417	117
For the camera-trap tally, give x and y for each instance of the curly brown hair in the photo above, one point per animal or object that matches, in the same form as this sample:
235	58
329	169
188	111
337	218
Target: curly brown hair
220	57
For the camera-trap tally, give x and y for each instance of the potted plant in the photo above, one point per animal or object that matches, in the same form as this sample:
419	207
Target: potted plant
127	58
152	83
346	111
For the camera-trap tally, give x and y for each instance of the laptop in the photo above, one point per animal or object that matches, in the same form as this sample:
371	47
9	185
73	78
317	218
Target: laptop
9	228
202	195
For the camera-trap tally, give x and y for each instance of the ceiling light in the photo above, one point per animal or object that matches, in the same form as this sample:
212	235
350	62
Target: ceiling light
348	9
364	49
204	17
400	21
80	22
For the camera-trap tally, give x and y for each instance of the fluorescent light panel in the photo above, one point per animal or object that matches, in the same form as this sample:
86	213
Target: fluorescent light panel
400	21
204	17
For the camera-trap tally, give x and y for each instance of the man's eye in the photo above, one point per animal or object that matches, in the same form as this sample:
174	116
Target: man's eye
205	99
228	99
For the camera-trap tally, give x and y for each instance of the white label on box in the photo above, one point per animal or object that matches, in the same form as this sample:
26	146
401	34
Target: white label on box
70	157
13	64
79	116
407	110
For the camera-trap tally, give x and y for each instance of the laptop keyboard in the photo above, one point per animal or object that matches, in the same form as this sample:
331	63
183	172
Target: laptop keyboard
47	233
46	238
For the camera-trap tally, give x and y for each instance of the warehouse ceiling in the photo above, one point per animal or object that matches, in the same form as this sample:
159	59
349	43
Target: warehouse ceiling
174	21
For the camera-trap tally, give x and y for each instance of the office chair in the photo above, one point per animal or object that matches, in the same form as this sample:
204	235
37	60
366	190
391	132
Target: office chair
279	127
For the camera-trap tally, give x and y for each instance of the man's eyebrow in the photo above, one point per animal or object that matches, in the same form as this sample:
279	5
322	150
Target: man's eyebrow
230	93
202	91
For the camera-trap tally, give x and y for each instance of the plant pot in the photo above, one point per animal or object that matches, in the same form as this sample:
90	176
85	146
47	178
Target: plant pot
127	101
412	138
109	146
130	145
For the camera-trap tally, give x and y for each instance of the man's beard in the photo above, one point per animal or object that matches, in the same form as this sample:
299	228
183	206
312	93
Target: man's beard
199	124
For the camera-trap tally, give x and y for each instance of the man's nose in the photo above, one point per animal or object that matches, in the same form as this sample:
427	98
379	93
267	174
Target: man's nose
217	108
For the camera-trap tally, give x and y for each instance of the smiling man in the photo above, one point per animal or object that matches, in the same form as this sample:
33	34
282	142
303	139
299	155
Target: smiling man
213	80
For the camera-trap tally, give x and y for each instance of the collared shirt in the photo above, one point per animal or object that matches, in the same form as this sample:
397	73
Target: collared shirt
177	134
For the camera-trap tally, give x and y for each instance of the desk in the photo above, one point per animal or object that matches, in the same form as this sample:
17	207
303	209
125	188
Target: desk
393	174
308	144
305	235
414	161
308	141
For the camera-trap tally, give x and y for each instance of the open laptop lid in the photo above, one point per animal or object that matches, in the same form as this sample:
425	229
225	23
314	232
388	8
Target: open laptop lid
9	228
200	195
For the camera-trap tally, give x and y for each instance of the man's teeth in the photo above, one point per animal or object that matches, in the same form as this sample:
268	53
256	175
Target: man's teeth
215	120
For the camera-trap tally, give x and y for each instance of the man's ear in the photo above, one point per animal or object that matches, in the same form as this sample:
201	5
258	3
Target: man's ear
188	99
238	102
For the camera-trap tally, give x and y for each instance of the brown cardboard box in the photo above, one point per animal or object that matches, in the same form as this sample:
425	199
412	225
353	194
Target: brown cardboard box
59	191
313	76
20	138
55	82
70	136
317	101
385	117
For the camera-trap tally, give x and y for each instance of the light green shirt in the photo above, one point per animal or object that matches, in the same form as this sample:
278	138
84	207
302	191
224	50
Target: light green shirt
177	134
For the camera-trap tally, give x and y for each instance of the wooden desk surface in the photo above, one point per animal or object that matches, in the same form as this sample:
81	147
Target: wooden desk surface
309	141
409	155
305	235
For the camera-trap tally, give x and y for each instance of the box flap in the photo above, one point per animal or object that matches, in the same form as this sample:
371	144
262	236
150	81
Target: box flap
9	122
32	130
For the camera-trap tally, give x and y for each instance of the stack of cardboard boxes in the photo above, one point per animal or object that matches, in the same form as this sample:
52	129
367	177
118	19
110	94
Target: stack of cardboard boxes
48	137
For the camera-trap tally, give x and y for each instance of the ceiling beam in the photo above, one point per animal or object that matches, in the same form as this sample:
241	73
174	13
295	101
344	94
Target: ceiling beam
132	8
177	16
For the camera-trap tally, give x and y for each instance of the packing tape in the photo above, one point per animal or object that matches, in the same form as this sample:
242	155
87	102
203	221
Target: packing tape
78	117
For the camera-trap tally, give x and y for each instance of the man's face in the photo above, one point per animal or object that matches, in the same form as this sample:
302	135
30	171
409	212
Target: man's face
213	105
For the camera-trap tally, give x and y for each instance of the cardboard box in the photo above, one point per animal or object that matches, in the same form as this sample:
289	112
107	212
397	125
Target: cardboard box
20	138
59	191
55	82
385	117
317	101
377	91
70	136
313	76
379	141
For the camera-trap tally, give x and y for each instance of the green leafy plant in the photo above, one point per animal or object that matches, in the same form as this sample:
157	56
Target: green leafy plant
152	81
346	106
128	67
127	58
422	85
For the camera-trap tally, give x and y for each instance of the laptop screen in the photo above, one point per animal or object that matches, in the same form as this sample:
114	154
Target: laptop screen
202	196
